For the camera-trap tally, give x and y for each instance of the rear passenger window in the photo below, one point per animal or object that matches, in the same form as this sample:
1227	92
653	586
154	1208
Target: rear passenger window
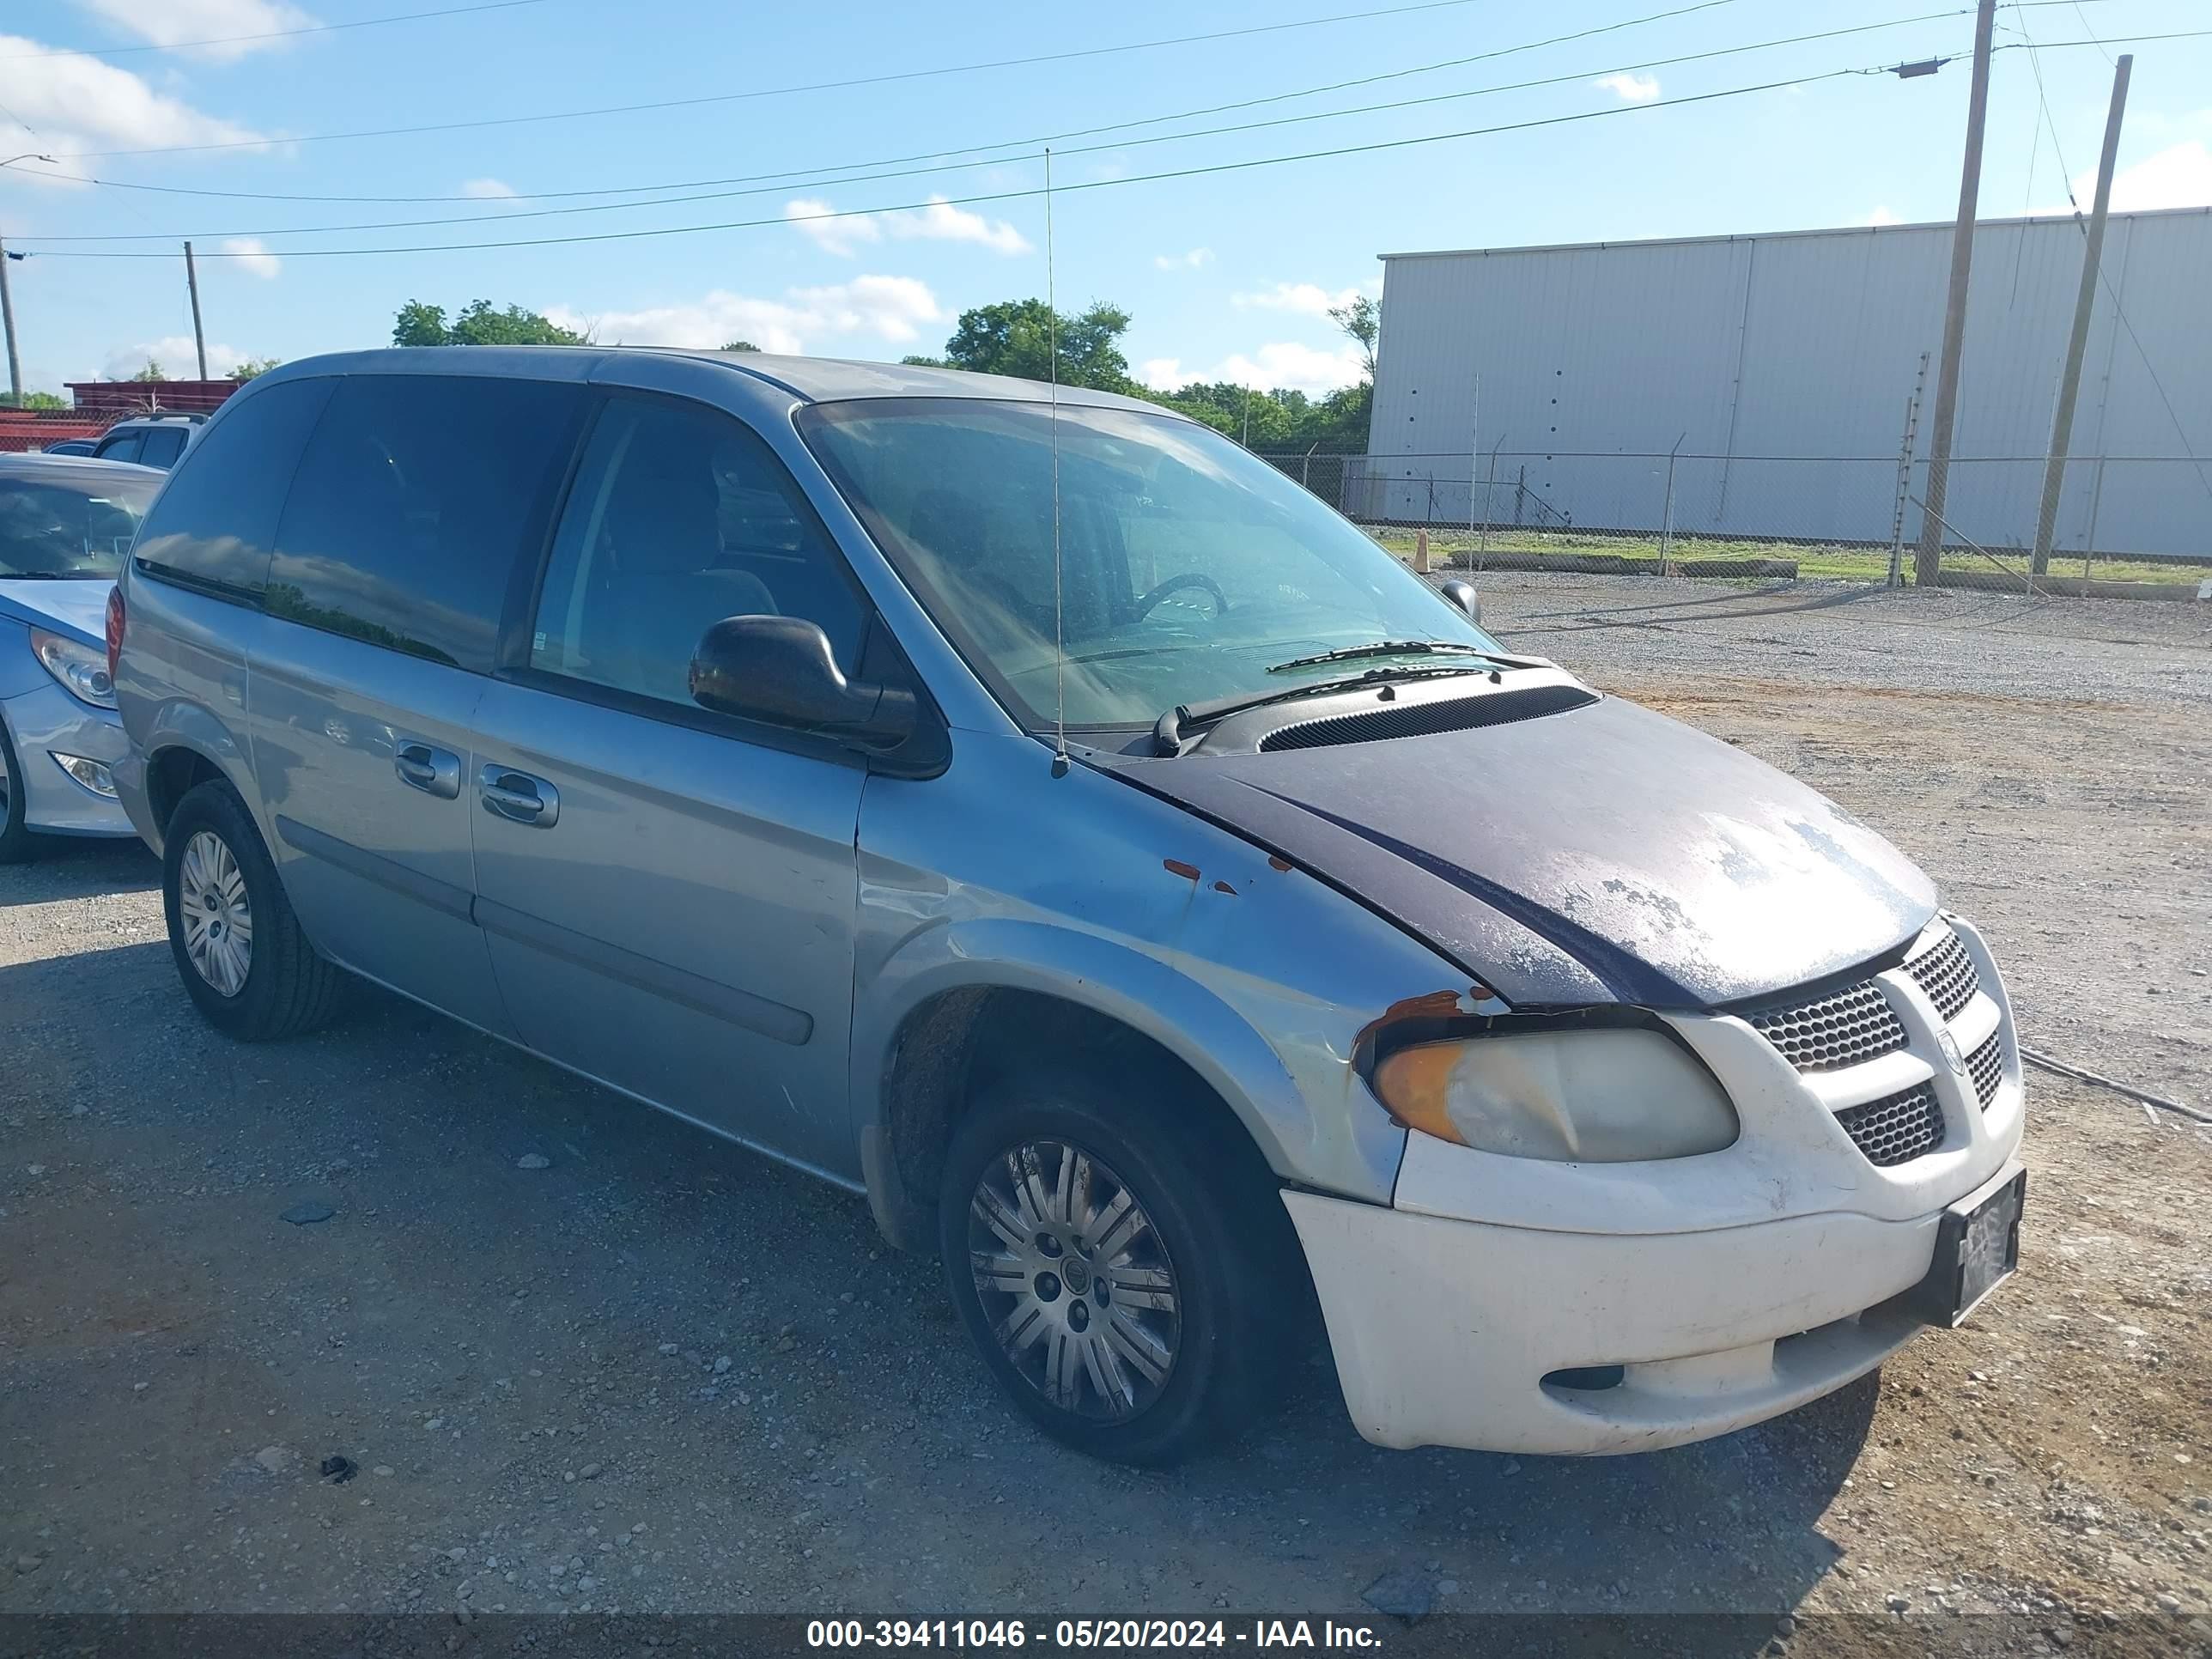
163	444
416	498
213	525
124	448
678	518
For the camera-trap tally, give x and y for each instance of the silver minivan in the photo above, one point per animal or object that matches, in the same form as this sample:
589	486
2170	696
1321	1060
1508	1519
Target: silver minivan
1037	813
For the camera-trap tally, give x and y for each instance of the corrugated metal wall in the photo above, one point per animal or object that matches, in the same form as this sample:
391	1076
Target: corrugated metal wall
1781	364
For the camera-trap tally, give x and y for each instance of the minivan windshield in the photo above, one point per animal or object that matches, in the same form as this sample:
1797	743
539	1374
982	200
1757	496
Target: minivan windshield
53	527
1191	571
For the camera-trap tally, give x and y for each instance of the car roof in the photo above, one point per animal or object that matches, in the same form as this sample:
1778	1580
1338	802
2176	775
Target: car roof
81	469
811	380
156	416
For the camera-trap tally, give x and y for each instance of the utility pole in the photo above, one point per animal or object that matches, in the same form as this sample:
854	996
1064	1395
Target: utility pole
2069	379
1927	566
192	281
8	311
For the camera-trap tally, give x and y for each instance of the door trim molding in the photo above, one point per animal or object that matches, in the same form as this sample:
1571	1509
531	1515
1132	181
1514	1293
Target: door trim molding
441	896
773	1020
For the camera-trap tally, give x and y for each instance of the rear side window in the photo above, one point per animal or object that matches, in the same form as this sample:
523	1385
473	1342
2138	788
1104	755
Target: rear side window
162	445
414	505
214	522
122	448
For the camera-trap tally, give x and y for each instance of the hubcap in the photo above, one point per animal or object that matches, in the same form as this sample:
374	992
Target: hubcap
211	903
1075	1278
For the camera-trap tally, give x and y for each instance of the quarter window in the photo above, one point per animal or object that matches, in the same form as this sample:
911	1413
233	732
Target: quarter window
680	517
416	499
163	444
123	448
214	523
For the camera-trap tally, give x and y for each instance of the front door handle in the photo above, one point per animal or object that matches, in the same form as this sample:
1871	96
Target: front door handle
424	765
518	797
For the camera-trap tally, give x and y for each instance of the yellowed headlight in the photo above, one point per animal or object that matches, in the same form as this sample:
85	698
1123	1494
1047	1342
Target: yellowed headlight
1598	1097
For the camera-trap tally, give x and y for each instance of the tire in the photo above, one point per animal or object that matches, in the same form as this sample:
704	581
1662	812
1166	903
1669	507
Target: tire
215	872
17	846
1209	1235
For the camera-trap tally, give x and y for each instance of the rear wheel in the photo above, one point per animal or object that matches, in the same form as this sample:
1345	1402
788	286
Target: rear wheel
245	962
1125	1269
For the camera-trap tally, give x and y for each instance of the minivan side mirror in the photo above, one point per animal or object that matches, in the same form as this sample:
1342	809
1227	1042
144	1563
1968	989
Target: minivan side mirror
780	670
1463	595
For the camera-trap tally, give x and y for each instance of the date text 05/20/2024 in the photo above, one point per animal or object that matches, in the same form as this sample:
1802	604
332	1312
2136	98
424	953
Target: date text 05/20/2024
1083	1633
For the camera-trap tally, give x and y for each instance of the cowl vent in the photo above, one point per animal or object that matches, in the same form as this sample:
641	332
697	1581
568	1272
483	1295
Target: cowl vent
1423	719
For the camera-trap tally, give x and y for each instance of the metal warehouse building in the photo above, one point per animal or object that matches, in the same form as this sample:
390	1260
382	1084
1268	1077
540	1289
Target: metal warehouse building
1757	386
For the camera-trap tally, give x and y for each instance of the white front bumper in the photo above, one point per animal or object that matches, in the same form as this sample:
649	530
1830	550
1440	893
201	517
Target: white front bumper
1727	1288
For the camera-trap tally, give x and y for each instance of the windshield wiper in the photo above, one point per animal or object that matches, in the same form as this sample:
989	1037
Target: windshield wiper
1168	733
1389	648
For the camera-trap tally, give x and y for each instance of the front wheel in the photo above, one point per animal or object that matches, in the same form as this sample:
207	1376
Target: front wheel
1129	1276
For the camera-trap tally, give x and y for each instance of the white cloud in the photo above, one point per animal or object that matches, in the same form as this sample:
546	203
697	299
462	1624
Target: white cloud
1191	261
488	190
840	236
1287	364
252	257
888	308
175	354
937	221
1305	299
1882	215
1632	88
170	21
83	104
2178	177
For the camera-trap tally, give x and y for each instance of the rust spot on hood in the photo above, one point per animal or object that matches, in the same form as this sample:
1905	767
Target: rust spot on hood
1279	864
1177	867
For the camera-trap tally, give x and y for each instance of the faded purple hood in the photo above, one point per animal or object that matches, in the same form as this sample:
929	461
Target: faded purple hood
1606	854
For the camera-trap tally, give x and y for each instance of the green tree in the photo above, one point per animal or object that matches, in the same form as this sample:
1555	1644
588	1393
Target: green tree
253	366
35	400
418	324
740	345
1362	318
1014	337
153	371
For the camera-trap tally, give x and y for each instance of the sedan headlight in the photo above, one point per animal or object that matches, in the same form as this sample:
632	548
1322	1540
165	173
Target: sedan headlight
1592	1096
82	669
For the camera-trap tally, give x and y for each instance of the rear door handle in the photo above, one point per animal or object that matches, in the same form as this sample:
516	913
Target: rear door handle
423	766
519	796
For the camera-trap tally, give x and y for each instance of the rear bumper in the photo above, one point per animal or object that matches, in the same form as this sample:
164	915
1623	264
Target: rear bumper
46	721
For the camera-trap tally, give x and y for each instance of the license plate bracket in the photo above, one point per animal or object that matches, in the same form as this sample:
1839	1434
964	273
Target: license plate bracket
1976	1249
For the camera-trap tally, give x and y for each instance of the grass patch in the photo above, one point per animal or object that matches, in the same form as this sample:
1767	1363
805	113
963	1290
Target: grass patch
1816	562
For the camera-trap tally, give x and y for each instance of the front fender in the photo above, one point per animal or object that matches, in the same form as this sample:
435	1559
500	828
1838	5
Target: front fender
1002	874
1174	1010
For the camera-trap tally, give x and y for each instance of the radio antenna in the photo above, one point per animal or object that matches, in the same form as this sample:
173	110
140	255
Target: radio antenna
1059	761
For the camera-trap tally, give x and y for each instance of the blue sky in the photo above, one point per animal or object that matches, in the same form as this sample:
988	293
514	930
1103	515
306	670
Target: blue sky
1227	275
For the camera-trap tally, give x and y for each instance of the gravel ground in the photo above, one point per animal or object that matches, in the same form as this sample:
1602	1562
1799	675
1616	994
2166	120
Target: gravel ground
585	1358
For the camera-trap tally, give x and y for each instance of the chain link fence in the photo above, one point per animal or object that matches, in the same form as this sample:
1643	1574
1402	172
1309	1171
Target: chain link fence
2131	518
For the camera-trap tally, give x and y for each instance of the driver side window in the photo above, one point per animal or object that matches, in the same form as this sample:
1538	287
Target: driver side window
679	517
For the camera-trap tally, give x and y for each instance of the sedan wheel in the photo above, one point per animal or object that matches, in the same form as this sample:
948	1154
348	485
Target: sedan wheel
1075	1278
218	922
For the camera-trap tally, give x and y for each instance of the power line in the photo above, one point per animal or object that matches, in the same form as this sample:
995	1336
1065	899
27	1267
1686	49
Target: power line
1079	132
791	181
785	91
267	34
1011	195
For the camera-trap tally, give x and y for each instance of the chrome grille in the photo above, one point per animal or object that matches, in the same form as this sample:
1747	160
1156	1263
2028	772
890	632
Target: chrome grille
1946	973
1986	1067
1897	1129
1854	1024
